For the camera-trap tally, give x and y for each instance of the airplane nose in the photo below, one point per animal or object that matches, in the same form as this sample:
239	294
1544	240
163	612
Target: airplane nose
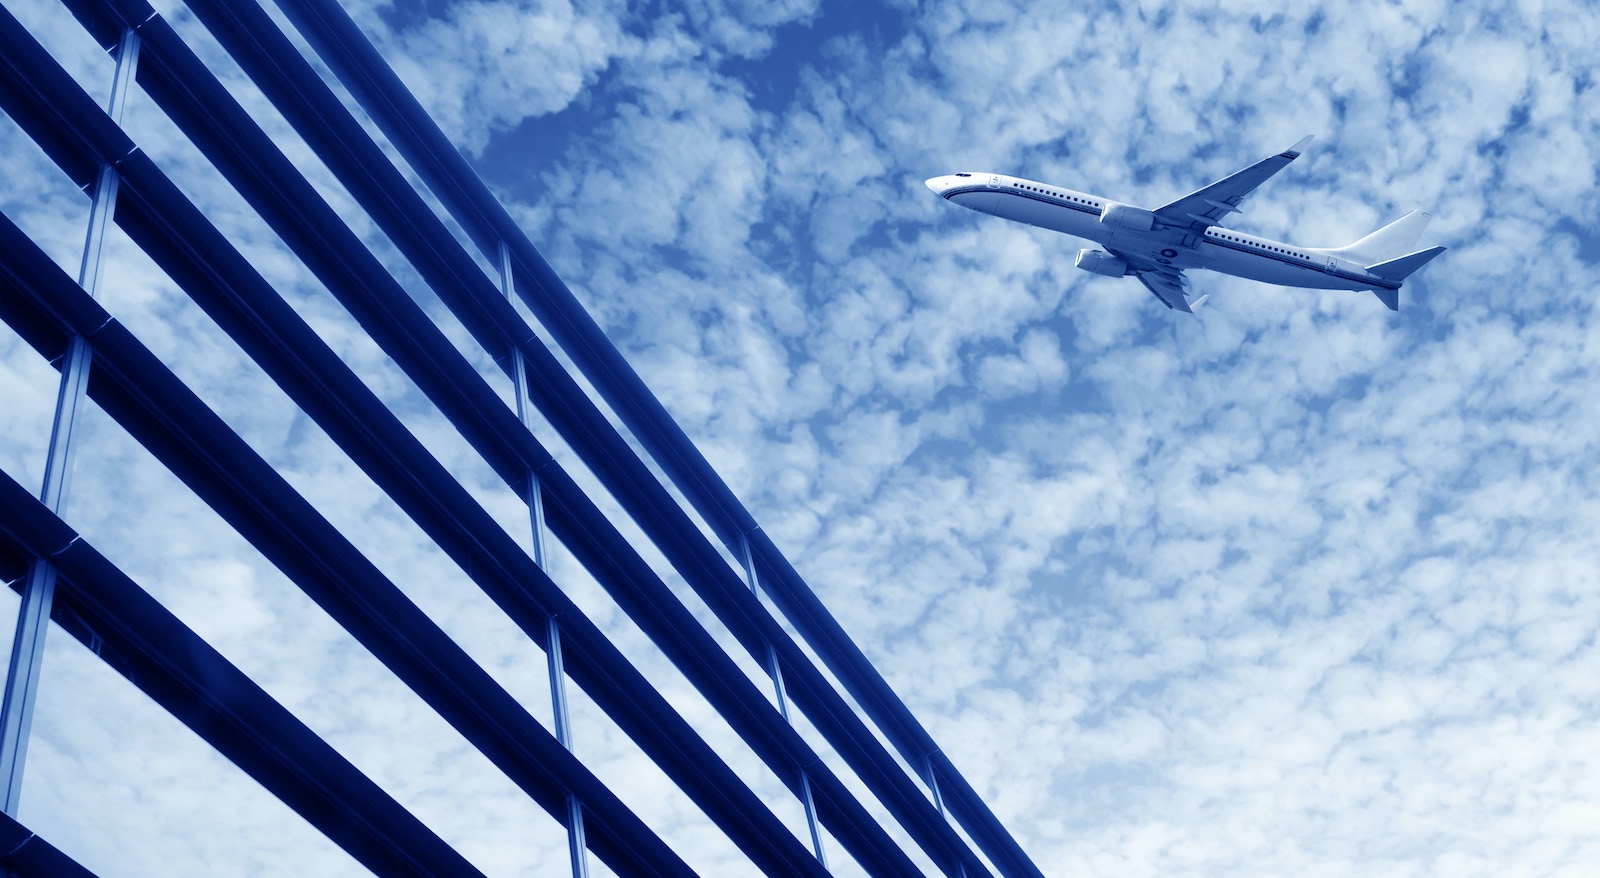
938	184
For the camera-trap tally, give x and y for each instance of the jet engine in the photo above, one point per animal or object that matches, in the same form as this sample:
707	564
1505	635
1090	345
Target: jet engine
1127	217
1101	262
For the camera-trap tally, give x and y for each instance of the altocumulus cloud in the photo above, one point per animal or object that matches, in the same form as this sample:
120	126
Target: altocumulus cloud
1296	586
1299	586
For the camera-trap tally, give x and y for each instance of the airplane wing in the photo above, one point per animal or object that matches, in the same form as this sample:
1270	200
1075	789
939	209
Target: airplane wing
1205	208
1170	286
1165	282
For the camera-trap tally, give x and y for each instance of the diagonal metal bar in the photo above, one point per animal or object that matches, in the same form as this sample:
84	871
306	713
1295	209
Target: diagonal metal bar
162	222
248	159
131	385
340	44
128	629
432	249
25	855
802	696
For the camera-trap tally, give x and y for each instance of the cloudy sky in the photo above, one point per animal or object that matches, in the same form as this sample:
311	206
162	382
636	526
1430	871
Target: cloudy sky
1297	586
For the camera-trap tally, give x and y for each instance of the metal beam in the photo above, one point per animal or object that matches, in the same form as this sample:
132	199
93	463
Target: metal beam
254	164
178	237
25	855
503	336
145	643
351	56
139	392
231	142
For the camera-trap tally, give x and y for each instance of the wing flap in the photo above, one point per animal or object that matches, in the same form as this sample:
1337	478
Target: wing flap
1171	287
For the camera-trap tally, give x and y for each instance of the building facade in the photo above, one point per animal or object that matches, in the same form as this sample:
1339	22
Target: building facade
320	238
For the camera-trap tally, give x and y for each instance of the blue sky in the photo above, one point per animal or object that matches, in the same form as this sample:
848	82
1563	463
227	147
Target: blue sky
1299	586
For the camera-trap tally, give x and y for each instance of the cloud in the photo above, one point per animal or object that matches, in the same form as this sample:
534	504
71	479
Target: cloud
1037	363
1295	586
745	28
1208	536
486	66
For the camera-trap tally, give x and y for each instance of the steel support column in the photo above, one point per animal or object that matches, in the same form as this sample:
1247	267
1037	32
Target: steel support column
576	848
932	779
33	619
775	669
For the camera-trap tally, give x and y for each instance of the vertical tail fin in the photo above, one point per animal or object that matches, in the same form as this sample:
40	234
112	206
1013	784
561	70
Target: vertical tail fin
1393	240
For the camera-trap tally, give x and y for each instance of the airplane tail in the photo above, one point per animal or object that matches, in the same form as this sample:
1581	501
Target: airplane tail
1398	270
1389	242
1387	253
1401	268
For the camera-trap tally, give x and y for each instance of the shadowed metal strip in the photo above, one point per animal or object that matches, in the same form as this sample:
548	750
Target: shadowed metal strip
346	50
195	255
98	604
904	803
25	855
131	385
845	822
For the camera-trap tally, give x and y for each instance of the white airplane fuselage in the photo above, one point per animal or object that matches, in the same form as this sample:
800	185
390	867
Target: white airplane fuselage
1127	230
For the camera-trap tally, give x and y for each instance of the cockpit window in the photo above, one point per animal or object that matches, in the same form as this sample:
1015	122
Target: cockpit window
963	175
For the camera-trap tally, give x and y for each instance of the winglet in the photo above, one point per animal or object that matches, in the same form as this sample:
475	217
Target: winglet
1293	152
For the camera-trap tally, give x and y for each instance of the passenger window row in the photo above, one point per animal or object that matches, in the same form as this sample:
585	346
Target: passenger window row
1043	191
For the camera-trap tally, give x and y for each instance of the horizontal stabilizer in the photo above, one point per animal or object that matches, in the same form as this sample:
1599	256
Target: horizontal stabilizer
1391	298
1400	269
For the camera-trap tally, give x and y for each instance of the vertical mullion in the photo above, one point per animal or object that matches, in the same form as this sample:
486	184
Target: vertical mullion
33	619
577	848
932	780
775	670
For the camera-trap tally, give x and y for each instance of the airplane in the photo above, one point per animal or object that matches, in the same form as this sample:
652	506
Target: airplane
1157	246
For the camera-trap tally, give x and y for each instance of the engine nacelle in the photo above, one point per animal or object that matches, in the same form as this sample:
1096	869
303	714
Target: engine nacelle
1101	262
1125	217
